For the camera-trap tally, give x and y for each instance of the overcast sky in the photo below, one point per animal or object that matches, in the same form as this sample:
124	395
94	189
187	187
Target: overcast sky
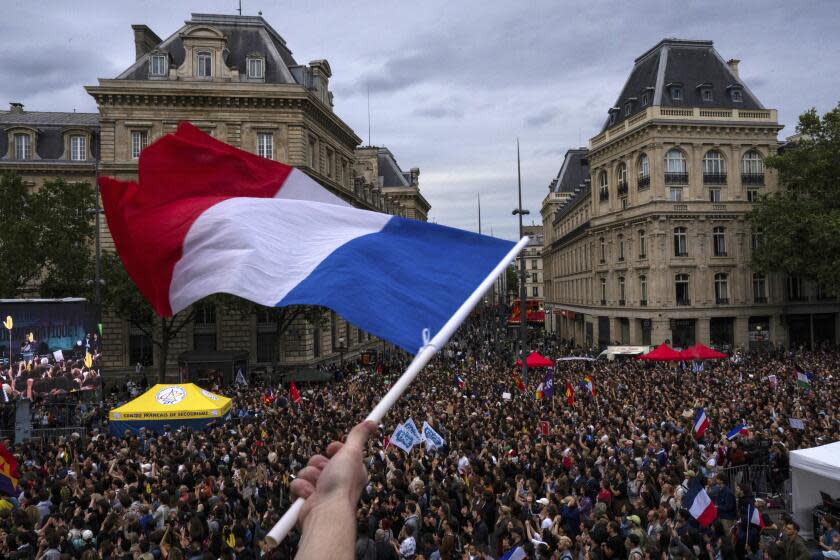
452	83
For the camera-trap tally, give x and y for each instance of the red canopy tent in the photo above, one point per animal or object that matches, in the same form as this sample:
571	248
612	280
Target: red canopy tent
701	352
663	353
534	360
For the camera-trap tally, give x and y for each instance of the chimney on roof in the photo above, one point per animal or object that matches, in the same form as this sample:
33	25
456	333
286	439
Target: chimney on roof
733	66
144	40
414	173
16	107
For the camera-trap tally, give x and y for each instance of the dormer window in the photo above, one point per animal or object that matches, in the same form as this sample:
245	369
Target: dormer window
627	108
204	65
706	94
645	99
78	148
737	96
613	114
676	93
158	65
256	68
23	146
612	118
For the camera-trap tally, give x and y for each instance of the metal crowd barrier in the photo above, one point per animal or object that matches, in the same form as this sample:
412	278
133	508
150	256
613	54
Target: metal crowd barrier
47	433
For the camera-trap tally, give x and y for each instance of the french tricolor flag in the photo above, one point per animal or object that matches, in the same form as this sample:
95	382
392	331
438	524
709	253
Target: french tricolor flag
700	423
207	218
698	503
754	516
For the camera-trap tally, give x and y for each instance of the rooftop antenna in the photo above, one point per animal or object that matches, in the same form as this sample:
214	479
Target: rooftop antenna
368	92
240	7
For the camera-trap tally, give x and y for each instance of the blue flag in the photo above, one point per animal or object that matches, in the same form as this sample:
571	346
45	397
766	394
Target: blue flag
548	383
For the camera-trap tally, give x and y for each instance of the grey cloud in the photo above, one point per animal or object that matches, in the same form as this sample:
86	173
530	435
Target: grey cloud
540	118
439	112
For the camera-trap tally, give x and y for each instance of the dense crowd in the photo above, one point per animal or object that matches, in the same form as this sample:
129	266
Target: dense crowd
600	479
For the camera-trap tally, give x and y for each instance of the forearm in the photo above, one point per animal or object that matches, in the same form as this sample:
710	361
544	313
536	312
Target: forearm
329	532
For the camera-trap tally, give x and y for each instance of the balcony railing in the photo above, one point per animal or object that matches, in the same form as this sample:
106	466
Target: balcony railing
752	179
676	178
644	182
760	299
721	301
714	178
683	301
622	188
603	195
720	253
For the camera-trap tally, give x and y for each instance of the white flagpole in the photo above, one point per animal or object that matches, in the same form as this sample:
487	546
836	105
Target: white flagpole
423	357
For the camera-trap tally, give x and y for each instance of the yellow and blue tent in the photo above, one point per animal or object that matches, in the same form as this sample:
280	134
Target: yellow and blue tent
174	405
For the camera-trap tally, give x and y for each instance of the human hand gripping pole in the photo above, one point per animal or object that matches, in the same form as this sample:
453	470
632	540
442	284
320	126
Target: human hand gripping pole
423	357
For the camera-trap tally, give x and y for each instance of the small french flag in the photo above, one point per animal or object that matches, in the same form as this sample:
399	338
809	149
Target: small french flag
755	516
700	423
699	504
460	381
737	431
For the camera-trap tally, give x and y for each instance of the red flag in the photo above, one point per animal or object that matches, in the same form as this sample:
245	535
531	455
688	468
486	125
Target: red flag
386	442
294	393
544	427
518	380
570	395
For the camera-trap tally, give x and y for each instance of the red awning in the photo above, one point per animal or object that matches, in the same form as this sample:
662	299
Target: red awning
663	353
534	360
701	352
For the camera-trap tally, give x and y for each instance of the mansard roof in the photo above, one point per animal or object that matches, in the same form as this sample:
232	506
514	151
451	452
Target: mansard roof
574	172
692	65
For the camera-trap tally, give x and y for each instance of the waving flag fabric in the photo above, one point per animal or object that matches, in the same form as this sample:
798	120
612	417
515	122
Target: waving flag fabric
590	385
754	516
294	393
698	503
9	474
736	431
548	383
208	218
518	380
570	394
700	423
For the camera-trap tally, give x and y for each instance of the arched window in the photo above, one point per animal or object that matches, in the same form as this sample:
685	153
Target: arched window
603	186
721	287
682	289
714	168
621	171
644	171
680	242
752	168
719	241
675	167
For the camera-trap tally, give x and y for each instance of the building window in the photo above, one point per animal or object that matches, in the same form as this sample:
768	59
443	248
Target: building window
719	241
621	172
256	68
533	277
620	247
612	118
534	263
313	153
752	168
644	172
628	108
680	242
707	94
204	65
139	140
682	293
204	327
603	291
721	288
536	291
157	65
675	194
603	250
265	145
675	167
755	239
676	93
603	186
759	288
330	163
794	286
643	290
642	244
78	148
645	98
752	195
714	168
140	345
621	299
23	146
737	96
714	195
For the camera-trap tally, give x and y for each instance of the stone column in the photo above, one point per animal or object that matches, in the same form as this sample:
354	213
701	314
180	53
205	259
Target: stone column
615	329
778	335
702	332
741	334
660	331
635	332
695	173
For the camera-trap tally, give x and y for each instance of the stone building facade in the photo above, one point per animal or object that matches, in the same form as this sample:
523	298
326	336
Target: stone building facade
235	78
533	255
655	246
376	171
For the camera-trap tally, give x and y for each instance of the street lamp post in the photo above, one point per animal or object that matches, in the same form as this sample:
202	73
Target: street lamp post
523	325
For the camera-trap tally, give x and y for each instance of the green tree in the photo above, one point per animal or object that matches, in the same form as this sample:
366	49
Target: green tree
799	226
121	297
46	238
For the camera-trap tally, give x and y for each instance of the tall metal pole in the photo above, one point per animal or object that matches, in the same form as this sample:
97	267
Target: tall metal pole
523	324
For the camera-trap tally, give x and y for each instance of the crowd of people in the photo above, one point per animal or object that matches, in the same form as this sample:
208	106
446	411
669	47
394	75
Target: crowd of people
583	477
